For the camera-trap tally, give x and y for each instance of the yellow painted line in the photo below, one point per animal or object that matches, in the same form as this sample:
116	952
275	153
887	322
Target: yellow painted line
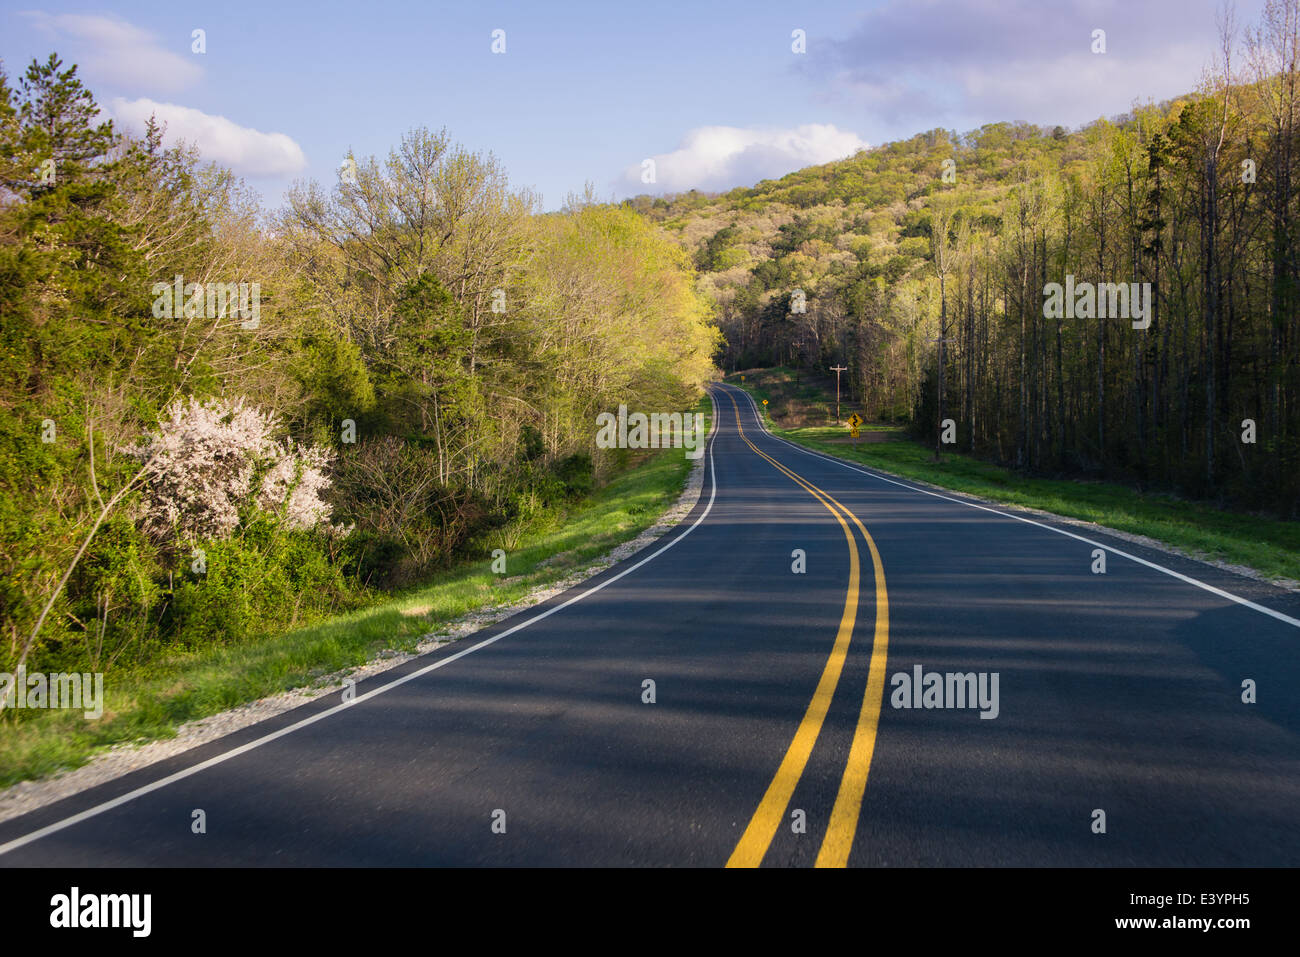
769	816
838	841
853	785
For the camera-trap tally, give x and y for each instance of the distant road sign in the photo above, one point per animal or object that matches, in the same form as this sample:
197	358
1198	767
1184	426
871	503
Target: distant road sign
854	421
853	432
765	401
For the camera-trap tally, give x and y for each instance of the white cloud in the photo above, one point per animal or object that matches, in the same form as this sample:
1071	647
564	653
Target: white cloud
713	158
984	60
247	151
118	54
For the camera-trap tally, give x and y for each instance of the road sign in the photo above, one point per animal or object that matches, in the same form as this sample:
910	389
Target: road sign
765	401
853	432
854	421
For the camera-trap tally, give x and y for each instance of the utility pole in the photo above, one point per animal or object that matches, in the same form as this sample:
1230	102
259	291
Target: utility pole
837	370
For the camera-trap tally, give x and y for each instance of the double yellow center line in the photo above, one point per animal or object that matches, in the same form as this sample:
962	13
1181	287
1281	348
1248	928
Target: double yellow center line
843	822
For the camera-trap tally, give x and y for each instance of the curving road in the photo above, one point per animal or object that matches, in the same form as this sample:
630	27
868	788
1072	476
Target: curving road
773	736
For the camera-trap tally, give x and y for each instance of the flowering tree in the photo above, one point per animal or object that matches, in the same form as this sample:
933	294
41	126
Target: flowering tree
292	488
210	459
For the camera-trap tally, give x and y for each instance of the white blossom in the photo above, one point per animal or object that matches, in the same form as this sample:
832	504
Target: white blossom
292	488
203	467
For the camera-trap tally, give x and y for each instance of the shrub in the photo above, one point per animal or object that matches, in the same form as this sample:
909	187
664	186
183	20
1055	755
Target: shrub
264	580
406	521
211	462
576	473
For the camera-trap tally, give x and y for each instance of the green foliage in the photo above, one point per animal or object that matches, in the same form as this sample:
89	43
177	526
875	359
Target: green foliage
709	257
448	343
576	474
255	584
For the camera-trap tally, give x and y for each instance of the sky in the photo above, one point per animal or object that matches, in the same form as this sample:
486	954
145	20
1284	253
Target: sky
717	94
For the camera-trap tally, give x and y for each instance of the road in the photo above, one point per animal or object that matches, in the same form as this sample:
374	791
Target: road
772	737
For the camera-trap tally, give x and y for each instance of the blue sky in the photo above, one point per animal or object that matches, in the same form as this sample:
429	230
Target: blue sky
588	90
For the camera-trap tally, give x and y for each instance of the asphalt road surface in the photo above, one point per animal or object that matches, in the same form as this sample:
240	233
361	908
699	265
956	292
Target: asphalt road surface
773	735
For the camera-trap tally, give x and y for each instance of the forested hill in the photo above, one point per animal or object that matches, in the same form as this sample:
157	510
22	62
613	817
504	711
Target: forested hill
862	261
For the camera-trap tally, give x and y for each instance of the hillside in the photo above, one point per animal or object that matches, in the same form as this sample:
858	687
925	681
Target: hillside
864	261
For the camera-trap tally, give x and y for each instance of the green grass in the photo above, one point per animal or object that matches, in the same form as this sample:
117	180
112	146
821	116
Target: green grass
1268	545
149	704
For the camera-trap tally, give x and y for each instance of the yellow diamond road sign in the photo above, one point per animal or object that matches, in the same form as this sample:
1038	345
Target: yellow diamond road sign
854	421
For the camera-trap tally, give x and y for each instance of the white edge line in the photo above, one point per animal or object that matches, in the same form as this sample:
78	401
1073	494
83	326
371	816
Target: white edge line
299	725
1287	619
